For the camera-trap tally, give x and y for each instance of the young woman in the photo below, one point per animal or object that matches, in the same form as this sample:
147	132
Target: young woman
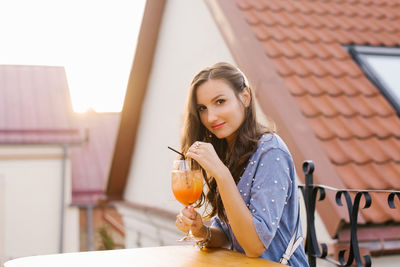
252	191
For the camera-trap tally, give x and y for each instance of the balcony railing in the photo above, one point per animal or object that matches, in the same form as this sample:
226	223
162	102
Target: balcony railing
313	191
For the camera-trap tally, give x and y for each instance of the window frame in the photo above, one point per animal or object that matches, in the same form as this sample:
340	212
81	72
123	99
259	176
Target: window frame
359	54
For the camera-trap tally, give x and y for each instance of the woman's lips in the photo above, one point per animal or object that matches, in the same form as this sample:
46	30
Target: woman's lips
217	126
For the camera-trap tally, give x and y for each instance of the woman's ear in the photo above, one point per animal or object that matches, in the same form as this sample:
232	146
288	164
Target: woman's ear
245	96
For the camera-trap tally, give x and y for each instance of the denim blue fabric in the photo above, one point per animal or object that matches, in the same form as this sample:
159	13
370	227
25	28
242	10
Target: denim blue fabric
268	186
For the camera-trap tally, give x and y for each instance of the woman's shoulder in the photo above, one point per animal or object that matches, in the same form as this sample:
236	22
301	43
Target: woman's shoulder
271	141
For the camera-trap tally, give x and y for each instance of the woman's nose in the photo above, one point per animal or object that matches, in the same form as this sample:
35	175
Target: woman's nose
212	116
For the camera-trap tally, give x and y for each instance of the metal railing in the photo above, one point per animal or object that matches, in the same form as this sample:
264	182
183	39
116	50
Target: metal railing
310	193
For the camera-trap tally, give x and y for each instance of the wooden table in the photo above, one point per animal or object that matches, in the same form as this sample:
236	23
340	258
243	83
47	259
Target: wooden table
152	256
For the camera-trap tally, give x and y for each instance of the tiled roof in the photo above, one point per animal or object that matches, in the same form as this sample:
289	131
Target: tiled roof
35	106
358	129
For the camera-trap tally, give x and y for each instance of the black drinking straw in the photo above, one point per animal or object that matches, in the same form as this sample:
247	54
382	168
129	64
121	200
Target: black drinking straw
184	158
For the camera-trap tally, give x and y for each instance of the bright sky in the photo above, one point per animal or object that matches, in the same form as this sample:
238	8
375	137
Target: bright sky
94	40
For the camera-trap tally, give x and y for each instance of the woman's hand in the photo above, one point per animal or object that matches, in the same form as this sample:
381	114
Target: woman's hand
205	155
189	219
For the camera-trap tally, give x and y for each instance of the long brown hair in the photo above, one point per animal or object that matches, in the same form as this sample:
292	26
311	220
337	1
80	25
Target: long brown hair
245	144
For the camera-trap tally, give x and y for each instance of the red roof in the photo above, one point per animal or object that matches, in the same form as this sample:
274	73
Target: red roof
35	108
356	126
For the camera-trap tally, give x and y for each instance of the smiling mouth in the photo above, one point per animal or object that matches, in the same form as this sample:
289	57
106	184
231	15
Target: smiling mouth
217	126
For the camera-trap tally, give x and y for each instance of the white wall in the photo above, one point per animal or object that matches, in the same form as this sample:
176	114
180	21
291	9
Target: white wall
188	41
2	217
32	202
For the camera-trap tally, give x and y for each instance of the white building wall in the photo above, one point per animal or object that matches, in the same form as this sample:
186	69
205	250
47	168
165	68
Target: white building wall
188	41
2	217
31	202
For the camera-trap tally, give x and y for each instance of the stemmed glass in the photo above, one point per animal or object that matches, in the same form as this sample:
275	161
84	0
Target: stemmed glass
187	186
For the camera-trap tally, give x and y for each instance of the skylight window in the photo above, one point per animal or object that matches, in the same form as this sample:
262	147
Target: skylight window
382	66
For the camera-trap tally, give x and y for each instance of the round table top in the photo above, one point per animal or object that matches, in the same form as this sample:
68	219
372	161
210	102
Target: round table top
151	256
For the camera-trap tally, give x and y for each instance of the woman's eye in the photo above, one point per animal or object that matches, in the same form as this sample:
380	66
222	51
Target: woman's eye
200	109
220	101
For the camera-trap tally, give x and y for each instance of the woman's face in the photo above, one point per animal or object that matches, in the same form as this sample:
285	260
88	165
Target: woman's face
221	112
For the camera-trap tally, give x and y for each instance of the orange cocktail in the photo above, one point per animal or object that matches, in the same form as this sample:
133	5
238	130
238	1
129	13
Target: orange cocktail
187	185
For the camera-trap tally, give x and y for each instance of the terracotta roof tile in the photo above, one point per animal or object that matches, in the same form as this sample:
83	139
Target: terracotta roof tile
338	86
243	4
347	105
354	127
329	85
278	33
368	176
390	124
328	128
260	5
287	6
363	151
296	19
331	23
361	84
362	11
251	17
389	39
371	176
340	155
301	86
380	151
379	104
281	18
261	32
316	66
391	173
378	212
307	106
357	127
303	7
273	50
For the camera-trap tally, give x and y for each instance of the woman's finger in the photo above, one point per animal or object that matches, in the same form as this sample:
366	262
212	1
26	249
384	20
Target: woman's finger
189	212
187	220
181	225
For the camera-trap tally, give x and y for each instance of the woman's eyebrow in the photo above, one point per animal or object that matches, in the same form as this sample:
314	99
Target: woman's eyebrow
213	99
218	96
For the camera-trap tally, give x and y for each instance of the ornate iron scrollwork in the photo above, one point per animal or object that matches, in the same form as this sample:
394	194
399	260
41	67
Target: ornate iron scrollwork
391	199
354	253
310	192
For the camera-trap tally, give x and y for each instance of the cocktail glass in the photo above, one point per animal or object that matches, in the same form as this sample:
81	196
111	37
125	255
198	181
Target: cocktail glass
187	186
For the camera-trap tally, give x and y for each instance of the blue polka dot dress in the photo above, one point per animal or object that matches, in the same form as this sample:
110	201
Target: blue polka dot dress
268	187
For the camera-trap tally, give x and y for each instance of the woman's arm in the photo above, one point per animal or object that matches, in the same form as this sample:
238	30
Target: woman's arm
218	237
239	216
